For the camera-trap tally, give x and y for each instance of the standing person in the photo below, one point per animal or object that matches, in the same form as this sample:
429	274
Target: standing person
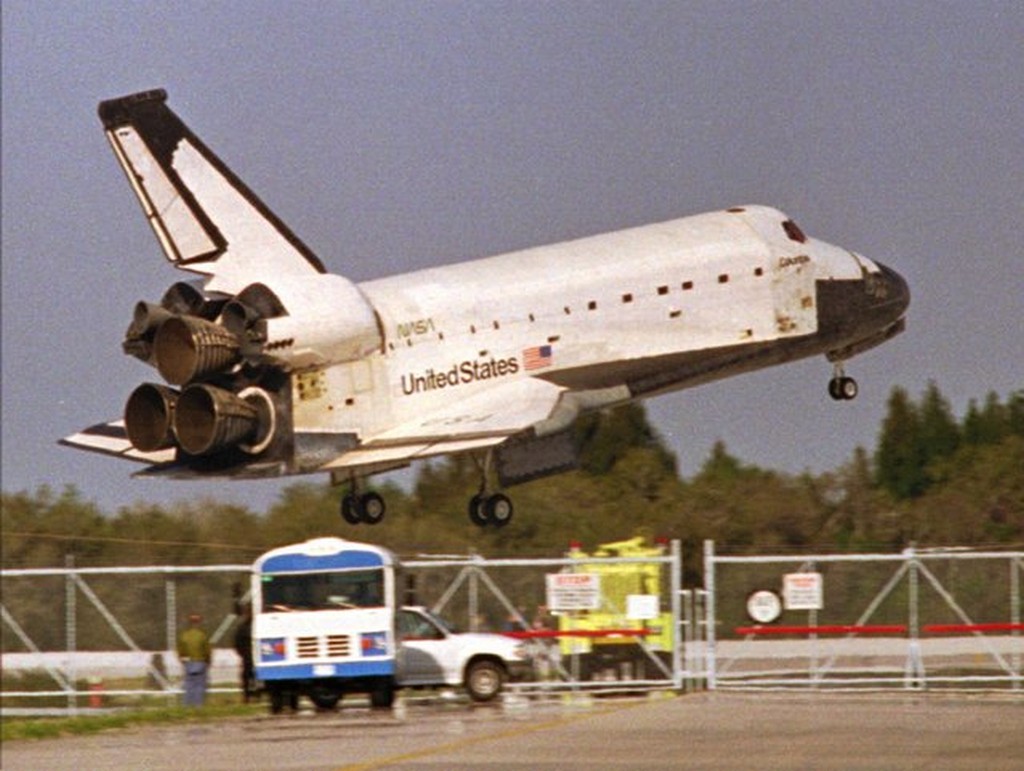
195	654
243	646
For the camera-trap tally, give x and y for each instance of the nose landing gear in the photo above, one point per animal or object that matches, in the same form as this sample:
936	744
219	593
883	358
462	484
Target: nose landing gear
841	387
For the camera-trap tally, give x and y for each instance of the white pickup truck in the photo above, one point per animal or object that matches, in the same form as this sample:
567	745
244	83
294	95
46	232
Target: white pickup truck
432	653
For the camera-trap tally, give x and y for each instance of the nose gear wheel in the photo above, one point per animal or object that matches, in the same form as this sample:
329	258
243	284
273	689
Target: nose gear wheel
840	387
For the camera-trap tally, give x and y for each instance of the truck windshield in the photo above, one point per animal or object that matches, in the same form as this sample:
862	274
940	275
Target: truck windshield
323	591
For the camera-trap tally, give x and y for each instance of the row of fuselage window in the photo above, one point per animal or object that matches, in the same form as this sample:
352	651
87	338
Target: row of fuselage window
626	298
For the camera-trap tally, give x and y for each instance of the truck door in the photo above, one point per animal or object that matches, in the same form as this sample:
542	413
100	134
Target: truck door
419	648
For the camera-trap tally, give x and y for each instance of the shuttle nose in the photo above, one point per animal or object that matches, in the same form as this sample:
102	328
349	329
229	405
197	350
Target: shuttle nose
891	293
861	313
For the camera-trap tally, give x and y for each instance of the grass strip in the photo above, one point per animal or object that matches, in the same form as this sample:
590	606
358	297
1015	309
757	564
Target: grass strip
79	725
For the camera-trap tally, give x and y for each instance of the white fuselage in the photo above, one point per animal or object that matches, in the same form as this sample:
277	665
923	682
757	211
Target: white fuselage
600	305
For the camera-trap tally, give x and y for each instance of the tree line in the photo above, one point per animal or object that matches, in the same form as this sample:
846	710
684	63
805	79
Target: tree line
932	479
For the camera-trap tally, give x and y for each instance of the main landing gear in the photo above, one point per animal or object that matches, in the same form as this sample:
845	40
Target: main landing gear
487	509
840	387
493	510
362	508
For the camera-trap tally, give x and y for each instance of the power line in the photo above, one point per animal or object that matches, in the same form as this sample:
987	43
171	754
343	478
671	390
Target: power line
138	541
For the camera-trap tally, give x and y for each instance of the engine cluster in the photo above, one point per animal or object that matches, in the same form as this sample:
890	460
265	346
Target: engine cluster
222	359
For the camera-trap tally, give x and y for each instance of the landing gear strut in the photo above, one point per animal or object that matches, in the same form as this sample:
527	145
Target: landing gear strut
489	509
362	509
841	387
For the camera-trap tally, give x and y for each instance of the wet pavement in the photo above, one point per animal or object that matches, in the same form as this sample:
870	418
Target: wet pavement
707	731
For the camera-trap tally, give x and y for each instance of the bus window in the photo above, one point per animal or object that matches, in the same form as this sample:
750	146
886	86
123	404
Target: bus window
323	591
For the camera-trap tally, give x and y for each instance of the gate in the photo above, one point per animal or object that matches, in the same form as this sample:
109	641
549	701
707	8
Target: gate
508	596
132	634
915	620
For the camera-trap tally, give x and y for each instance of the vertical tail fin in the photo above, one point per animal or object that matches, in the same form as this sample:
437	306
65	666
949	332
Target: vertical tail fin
206	219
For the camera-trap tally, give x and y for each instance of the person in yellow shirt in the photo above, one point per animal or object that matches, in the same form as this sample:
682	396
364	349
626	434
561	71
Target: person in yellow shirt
195	654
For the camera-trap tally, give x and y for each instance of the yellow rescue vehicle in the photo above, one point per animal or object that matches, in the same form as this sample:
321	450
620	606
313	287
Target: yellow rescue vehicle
610	642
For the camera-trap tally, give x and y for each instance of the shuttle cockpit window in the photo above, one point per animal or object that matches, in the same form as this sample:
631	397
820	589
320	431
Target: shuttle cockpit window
794	232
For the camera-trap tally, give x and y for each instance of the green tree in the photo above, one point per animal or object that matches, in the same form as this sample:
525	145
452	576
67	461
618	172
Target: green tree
987	425
979	498
900	457
940	434
42	529
1015	413
606	436
748	508
855	514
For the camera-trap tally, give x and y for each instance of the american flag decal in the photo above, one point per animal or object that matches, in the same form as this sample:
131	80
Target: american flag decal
537	357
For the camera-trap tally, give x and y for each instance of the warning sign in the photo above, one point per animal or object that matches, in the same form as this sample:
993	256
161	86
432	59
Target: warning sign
573	591
803	591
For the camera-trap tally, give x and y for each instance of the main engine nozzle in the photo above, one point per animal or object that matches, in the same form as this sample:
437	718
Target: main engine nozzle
208	419
188	347
146	320
149	417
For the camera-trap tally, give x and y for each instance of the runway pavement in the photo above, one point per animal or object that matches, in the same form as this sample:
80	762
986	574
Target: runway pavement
701	731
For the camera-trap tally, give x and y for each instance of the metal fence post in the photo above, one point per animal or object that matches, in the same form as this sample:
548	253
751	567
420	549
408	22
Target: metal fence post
709	611
170	588
1016	567
70	630
914	675
675	589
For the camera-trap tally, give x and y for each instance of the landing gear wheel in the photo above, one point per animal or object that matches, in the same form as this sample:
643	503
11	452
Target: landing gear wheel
498	510
372	508
842	388
350	509
490	510
477	515
367	508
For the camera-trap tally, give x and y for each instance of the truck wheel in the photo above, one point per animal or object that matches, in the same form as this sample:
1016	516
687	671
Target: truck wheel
484	680
324	697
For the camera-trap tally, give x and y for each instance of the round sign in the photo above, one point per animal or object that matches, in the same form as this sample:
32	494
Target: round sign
764	606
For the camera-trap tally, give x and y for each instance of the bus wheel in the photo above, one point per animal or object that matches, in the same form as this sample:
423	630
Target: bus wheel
383	696
324	697
276	700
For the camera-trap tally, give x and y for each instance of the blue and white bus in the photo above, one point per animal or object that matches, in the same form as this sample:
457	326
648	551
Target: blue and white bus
323	622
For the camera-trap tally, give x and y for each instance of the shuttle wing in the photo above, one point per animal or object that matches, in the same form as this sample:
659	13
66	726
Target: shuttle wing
484	420
205	218
502	410
112	439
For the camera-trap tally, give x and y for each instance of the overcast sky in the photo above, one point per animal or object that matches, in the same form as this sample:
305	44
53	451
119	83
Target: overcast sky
393	136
